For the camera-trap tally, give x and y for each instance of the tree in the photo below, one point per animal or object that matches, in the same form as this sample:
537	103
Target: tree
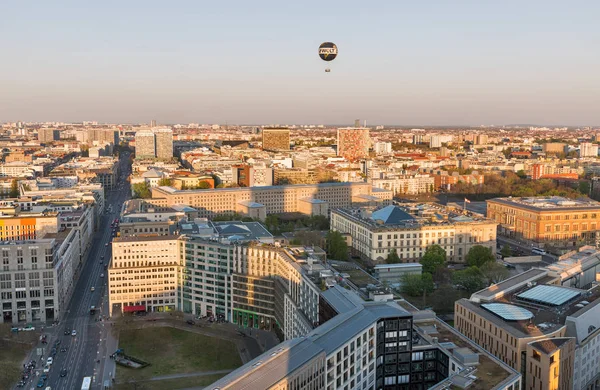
416	285
506	251
584	187
471	279
14	189
307	238
392	257
165	181
479	255
521	173
203	185
337	248
434	257
494	271
141	190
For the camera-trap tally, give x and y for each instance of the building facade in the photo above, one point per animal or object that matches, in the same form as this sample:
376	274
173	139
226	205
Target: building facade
353	143
554	221
275	139
376	234
145	144
164	144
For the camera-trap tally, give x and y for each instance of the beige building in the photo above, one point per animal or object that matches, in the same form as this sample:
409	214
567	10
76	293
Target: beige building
144	144
411	231
274	199
538	326
274	138
164	144
144	272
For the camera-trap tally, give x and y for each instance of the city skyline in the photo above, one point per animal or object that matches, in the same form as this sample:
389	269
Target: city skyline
465	64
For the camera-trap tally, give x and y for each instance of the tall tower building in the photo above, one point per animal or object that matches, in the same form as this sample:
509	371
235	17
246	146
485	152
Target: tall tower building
48	135
144	144
153	123
164	143
353	143
276	138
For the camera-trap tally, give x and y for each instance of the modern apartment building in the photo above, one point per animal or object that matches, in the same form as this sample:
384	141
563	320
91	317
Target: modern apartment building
144	144
260	201
411	229
48	135
164	144
215	273
353	143
537	324
372	345
555	220
276	138
18	225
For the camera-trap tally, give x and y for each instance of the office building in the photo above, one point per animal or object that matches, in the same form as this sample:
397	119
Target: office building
588	149
164	144
260	201
353	143
555	220
245	175
276	138
538	323
406	184
554	147
382	147
153	123
48	135
435	141
16	225
372	345
144	144
411	229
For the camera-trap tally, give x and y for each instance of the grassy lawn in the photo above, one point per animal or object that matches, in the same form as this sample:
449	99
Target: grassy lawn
12	354
180	383
174	351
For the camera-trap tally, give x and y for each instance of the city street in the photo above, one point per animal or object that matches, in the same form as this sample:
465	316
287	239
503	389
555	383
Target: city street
88	345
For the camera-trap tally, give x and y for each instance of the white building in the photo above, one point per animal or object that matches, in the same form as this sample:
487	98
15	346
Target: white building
383	147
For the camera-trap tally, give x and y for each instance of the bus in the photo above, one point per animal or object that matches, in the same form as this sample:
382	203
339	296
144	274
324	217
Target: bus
87	383
538	251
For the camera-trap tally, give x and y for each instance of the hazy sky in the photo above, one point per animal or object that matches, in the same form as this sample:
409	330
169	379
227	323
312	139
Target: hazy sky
400	62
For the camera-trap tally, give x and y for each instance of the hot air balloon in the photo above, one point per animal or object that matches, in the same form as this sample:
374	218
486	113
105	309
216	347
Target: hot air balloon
328	51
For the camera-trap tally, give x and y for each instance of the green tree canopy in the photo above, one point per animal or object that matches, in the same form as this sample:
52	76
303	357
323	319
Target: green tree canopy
471	279
506	251
165	181
479	255
14	189
203	185
416	285
141	190
494	271
337	248
392	257
434	257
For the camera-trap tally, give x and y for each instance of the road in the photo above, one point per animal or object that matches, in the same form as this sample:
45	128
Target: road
547	258
84	349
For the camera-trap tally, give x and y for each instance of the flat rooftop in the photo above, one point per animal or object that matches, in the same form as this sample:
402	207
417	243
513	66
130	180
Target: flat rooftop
274	365
549	203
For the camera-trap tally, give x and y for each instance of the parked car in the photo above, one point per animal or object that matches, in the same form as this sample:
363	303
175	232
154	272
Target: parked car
50	361
63	372
67	332
74	333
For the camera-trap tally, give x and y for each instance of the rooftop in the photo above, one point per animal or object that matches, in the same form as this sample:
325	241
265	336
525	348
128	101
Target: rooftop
549	203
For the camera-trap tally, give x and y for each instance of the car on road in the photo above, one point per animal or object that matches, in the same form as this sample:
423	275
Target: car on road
101	275
46	369
63	372
40	383
49	361
74	333
53	352
92	289
106	244
190	322
44	377
67	332
63	349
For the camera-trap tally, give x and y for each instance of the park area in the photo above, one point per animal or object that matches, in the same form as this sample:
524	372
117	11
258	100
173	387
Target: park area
178	359
14	348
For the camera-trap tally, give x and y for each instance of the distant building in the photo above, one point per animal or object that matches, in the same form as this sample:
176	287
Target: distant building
48	135
554	147
481	139
353	143
544	220
435	141
153	123
410	230
383	147
164	144
276	138
588	149
144	144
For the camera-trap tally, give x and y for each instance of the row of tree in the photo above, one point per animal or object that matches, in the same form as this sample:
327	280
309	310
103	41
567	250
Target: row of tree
482	270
